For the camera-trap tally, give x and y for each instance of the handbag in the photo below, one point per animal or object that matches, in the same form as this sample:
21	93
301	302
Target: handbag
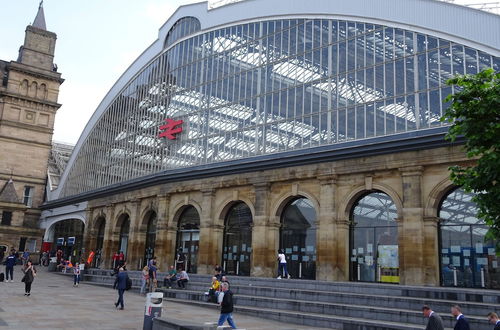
24	278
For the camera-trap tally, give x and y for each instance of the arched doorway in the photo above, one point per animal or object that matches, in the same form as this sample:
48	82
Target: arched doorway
124	232
467	258
237	249
101	225
188	237
298	238
374	239
68	235
149	247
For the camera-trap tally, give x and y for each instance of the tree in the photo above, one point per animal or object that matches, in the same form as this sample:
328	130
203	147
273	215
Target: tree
475	114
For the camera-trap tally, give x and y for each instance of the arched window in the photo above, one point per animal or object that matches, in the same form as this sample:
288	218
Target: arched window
467	258
149	248
188	237
374	239
238	240
298	238
124	231
183	27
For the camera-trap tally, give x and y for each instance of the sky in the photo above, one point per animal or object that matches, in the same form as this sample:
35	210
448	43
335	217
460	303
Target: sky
96	41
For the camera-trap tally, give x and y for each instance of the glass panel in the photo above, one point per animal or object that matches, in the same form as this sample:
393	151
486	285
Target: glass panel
188	240
374	240
238	240
467	259
298	238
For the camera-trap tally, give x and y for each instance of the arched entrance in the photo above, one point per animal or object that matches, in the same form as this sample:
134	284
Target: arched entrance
149	247
101	225
237	249
188	237
467	258
124	232
374	239
68	235
298	238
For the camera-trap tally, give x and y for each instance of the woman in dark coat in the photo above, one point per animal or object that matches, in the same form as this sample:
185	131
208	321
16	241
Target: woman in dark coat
29	275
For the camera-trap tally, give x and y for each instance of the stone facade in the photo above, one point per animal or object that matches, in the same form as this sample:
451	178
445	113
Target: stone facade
28	105
416	181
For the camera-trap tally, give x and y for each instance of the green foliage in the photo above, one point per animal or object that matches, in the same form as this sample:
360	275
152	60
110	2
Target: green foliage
475	114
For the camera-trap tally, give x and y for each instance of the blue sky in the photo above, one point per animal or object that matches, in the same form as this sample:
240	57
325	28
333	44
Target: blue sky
96	41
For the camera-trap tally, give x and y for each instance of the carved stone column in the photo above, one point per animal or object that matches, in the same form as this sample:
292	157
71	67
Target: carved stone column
265	236
135	237
89	234
327	266
163	249
109	237
210	245
411	228
431	251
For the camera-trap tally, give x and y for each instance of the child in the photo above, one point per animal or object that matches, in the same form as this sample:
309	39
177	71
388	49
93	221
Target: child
76	274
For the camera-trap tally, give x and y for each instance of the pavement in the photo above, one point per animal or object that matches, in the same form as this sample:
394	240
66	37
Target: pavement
55	304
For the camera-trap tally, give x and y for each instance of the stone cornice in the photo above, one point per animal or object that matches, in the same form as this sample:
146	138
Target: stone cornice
36	72
17	99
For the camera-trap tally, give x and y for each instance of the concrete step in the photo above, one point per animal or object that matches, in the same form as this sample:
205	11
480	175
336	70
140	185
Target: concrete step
380	303
310	319
381	314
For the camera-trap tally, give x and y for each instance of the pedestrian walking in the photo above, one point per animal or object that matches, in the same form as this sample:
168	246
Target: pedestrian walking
493	319
121	285
153	281
76	274
282	270
225	300
28	278
462	323
45	259
25	257
144	279
435	322
10	261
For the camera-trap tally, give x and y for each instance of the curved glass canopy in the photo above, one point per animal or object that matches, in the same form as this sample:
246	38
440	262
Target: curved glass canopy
269	87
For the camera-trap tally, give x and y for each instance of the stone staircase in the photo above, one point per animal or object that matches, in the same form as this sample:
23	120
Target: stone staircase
334	305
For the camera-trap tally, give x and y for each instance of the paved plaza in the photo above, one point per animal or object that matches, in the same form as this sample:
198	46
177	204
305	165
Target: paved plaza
55	304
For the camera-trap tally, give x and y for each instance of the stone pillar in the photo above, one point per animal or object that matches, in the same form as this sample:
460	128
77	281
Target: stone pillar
411	228
109	237
209	253
265	236
163	248
89	234
431	251
327	259
135	236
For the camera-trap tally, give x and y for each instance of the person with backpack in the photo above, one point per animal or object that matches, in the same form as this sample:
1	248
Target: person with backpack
122	283
226	306
153	281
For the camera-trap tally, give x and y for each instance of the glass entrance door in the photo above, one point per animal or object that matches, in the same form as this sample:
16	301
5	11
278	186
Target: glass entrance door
238	240
189	242
374	240
298	238
188	237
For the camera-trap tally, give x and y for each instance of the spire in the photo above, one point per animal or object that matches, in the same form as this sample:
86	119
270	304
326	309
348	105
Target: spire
40	18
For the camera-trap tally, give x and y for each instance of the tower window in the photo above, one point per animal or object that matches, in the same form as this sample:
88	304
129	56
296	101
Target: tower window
28	196
6	218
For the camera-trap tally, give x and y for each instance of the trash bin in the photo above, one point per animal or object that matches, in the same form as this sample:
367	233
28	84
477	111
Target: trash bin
154	304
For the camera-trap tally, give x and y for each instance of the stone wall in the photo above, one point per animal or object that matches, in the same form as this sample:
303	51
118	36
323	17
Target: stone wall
415	181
